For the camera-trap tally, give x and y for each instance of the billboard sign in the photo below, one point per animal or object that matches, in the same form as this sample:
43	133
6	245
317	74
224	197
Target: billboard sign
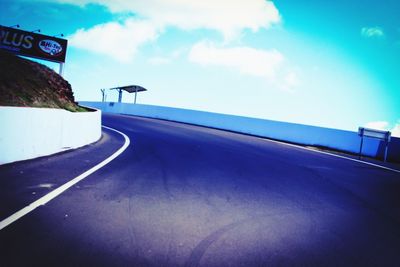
33	44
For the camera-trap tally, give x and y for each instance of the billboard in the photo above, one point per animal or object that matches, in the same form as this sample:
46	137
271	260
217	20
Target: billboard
33	44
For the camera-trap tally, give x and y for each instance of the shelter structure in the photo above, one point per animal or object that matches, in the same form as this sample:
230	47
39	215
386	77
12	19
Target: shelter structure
130	89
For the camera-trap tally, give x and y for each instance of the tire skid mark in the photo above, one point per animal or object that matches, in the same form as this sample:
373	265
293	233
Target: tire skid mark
199	251
201	248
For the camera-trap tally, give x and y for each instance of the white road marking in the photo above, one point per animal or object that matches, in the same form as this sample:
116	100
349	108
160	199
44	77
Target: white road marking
330	154
279	142
283	143
53	194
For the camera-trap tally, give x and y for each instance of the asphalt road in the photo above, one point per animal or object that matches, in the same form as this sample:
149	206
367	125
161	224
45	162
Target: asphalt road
182	195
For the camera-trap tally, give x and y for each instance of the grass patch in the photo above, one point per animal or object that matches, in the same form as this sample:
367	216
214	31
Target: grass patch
25	83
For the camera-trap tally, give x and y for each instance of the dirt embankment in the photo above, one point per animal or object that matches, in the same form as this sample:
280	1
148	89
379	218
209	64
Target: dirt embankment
26	83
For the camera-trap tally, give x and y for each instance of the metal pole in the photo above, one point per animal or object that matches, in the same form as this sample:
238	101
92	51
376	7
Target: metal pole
103	92
386	151
61	70
119	95
359	154
135	95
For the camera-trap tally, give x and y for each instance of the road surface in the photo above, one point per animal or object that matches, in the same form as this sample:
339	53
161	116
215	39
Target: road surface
182	195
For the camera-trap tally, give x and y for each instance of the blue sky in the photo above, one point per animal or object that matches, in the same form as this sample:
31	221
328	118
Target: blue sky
332	65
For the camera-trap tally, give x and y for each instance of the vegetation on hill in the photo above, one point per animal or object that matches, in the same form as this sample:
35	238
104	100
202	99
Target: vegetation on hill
26	83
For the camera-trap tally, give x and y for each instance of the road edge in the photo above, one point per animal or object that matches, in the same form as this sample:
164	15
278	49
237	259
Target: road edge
53	194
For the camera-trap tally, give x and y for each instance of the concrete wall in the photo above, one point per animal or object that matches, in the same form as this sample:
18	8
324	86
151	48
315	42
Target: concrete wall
289	132
28	133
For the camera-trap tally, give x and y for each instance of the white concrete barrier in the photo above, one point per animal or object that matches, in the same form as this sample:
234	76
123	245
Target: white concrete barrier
28	133
289	132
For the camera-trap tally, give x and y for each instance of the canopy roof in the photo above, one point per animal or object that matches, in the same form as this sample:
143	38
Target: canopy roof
130	88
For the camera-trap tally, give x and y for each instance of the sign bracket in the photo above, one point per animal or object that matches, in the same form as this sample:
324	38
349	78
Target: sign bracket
377	134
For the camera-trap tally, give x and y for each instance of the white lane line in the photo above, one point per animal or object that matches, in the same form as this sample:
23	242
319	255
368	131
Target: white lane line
53	194
333	155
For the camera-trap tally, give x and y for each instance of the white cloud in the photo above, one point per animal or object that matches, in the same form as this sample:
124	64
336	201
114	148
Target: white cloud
372	32
396	130
291	80
229	17
378	125
159	60
268	64
385	126
122	40
166	59
119	41
247	60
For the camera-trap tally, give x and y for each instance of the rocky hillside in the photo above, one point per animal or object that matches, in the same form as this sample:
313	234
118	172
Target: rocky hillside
29	84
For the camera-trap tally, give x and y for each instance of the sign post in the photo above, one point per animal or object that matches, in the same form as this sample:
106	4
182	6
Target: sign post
34	45
372	133
103	95
61	70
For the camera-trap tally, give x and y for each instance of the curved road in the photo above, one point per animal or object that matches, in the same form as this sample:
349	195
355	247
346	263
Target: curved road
182	195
